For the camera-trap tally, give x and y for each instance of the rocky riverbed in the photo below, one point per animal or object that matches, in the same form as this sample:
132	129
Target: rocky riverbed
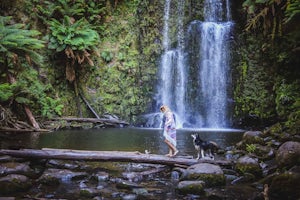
264	166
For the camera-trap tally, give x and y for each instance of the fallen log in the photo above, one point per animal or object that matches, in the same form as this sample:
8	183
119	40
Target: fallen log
94	120
23	130
111	156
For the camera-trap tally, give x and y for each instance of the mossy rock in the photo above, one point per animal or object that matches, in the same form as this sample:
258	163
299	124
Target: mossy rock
285	186
49	180
13	183
211	174
250	165
253	137
191	187
288	154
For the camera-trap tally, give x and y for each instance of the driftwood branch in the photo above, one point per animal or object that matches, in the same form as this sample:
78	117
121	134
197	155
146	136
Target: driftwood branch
89	106
112	156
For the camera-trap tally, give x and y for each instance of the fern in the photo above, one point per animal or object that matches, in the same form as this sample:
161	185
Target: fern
14	40
77	36
6	92
292	10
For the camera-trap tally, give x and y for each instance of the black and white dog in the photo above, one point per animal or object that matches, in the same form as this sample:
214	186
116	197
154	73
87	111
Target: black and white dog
202	146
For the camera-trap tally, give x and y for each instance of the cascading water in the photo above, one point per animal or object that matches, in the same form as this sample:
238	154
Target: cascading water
172	73
194	75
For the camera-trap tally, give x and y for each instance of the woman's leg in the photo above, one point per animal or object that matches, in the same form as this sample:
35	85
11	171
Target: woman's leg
173	149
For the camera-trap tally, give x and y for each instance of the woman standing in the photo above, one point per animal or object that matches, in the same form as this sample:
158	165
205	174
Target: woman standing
169	126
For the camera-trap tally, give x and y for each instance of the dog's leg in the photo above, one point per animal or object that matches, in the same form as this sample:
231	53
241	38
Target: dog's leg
202	153
198	155
211	154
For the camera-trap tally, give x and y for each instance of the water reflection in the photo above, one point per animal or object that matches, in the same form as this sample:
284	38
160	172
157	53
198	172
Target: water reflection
119	139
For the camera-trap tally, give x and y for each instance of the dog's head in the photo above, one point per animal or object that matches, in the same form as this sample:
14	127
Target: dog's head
194	136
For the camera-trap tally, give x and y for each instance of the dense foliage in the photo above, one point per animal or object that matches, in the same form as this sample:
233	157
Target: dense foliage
18	45
268	78
108	51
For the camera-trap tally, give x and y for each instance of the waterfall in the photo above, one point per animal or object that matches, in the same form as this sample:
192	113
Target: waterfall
194	76
172	84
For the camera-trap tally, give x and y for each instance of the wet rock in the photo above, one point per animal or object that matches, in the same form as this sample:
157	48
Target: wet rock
253	137
268	167
59	164
55	176
211	174
13	168
240	192
264	152
250	165
5	159
122	184
129	197
140	191
14	183
285	186
191	187
246	178
101	176
132	176
17	168
288	154
88	192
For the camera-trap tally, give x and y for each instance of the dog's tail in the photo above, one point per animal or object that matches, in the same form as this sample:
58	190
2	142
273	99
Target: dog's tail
214	146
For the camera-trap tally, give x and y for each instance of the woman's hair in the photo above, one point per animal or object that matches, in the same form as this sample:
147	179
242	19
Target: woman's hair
164	108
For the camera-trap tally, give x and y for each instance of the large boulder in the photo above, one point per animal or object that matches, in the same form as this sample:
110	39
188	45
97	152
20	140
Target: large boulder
211	174
250	165
253	137
191	187
288	154
13	183
285	186
15	168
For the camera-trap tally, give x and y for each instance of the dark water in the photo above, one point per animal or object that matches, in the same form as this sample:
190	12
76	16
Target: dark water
118	139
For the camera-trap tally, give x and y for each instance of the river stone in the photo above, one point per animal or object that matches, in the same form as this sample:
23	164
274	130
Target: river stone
122	184
14	183
15	168
55	176
211	174
250	165
191	187
288	154
285	186
253	137
101	176
88	192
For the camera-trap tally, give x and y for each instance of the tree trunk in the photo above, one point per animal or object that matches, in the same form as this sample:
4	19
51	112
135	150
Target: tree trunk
112	156
31	117
28	112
